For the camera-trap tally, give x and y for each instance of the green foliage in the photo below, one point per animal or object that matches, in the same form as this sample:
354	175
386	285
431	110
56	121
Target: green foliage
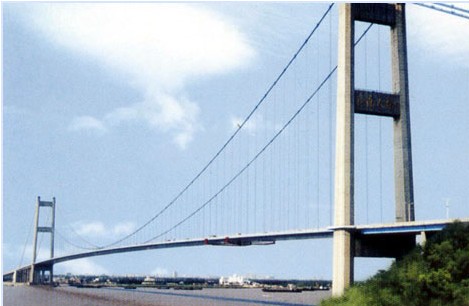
433	275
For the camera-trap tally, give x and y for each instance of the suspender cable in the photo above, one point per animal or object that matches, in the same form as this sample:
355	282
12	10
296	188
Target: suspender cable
26	242
259	103
317	144
331	197
366	137
261	151
380	134
237	175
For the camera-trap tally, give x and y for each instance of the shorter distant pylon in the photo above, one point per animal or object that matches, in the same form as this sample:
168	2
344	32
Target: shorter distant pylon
38	274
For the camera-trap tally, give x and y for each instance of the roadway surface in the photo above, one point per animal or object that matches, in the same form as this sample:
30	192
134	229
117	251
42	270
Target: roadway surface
263	238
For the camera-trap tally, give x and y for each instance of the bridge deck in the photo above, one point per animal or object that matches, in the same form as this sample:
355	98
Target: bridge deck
262	238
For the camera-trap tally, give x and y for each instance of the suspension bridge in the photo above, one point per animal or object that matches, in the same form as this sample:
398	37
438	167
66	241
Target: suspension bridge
275	178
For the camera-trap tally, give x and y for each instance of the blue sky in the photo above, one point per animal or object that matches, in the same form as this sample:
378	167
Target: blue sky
113	108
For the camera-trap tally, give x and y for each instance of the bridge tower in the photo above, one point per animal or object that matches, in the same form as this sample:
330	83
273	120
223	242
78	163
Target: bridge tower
43	274
351	101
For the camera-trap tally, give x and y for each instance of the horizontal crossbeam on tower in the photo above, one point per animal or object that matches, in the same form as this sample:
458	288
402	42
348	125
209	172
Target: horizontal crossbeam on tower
45	204
45	229
379	13
376	103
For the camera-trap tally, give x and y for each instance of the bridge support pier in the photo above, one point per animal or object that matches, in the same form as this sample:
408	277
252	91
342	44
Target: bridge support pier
351	101
342	261
41	275
22	276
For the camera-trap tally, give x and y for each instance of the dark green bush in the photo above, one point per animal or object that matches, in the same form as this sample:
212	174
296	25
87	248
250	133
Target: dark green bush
436	274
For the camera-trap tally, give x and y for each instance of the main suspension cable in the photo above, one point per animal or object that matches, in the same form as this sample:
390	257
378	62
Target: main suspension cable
455	11
238	174
259	103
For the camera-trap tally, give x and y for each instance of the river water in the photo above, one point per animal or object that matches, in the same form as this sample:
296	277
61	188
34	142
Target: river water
71	296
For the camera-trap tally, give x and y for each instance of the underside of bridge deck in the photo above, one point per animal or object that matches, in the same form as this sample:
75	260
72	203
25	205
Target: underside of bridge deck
384	245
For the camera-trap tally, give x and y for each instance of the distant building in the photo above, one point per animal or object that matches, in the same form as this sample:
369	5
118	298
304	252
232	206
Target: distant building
149	281
234	280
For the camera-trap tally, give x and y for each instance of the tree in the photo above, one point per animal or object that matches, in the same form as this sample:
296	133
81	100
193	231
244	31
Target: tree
435	274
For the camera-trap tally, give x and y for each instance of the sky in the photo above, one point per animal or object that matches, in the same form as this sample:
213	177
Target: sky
113	108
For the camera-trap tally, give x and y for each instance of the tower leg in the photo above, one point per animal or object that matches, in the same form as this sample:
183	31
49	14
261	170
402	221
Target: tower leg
344	183
403	175
342	275
32	272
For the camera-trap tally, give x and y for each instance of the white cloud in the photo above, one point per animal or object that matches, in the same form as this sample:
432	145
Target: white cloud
83	266
99	229
88	123
91	229
440	34
249	127
123	228
163	112
256	124
157	47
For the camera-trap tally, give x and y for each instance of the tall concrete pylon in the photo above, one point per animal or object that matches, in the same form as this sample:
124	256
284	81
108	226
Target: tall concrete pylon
351	101
37	274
